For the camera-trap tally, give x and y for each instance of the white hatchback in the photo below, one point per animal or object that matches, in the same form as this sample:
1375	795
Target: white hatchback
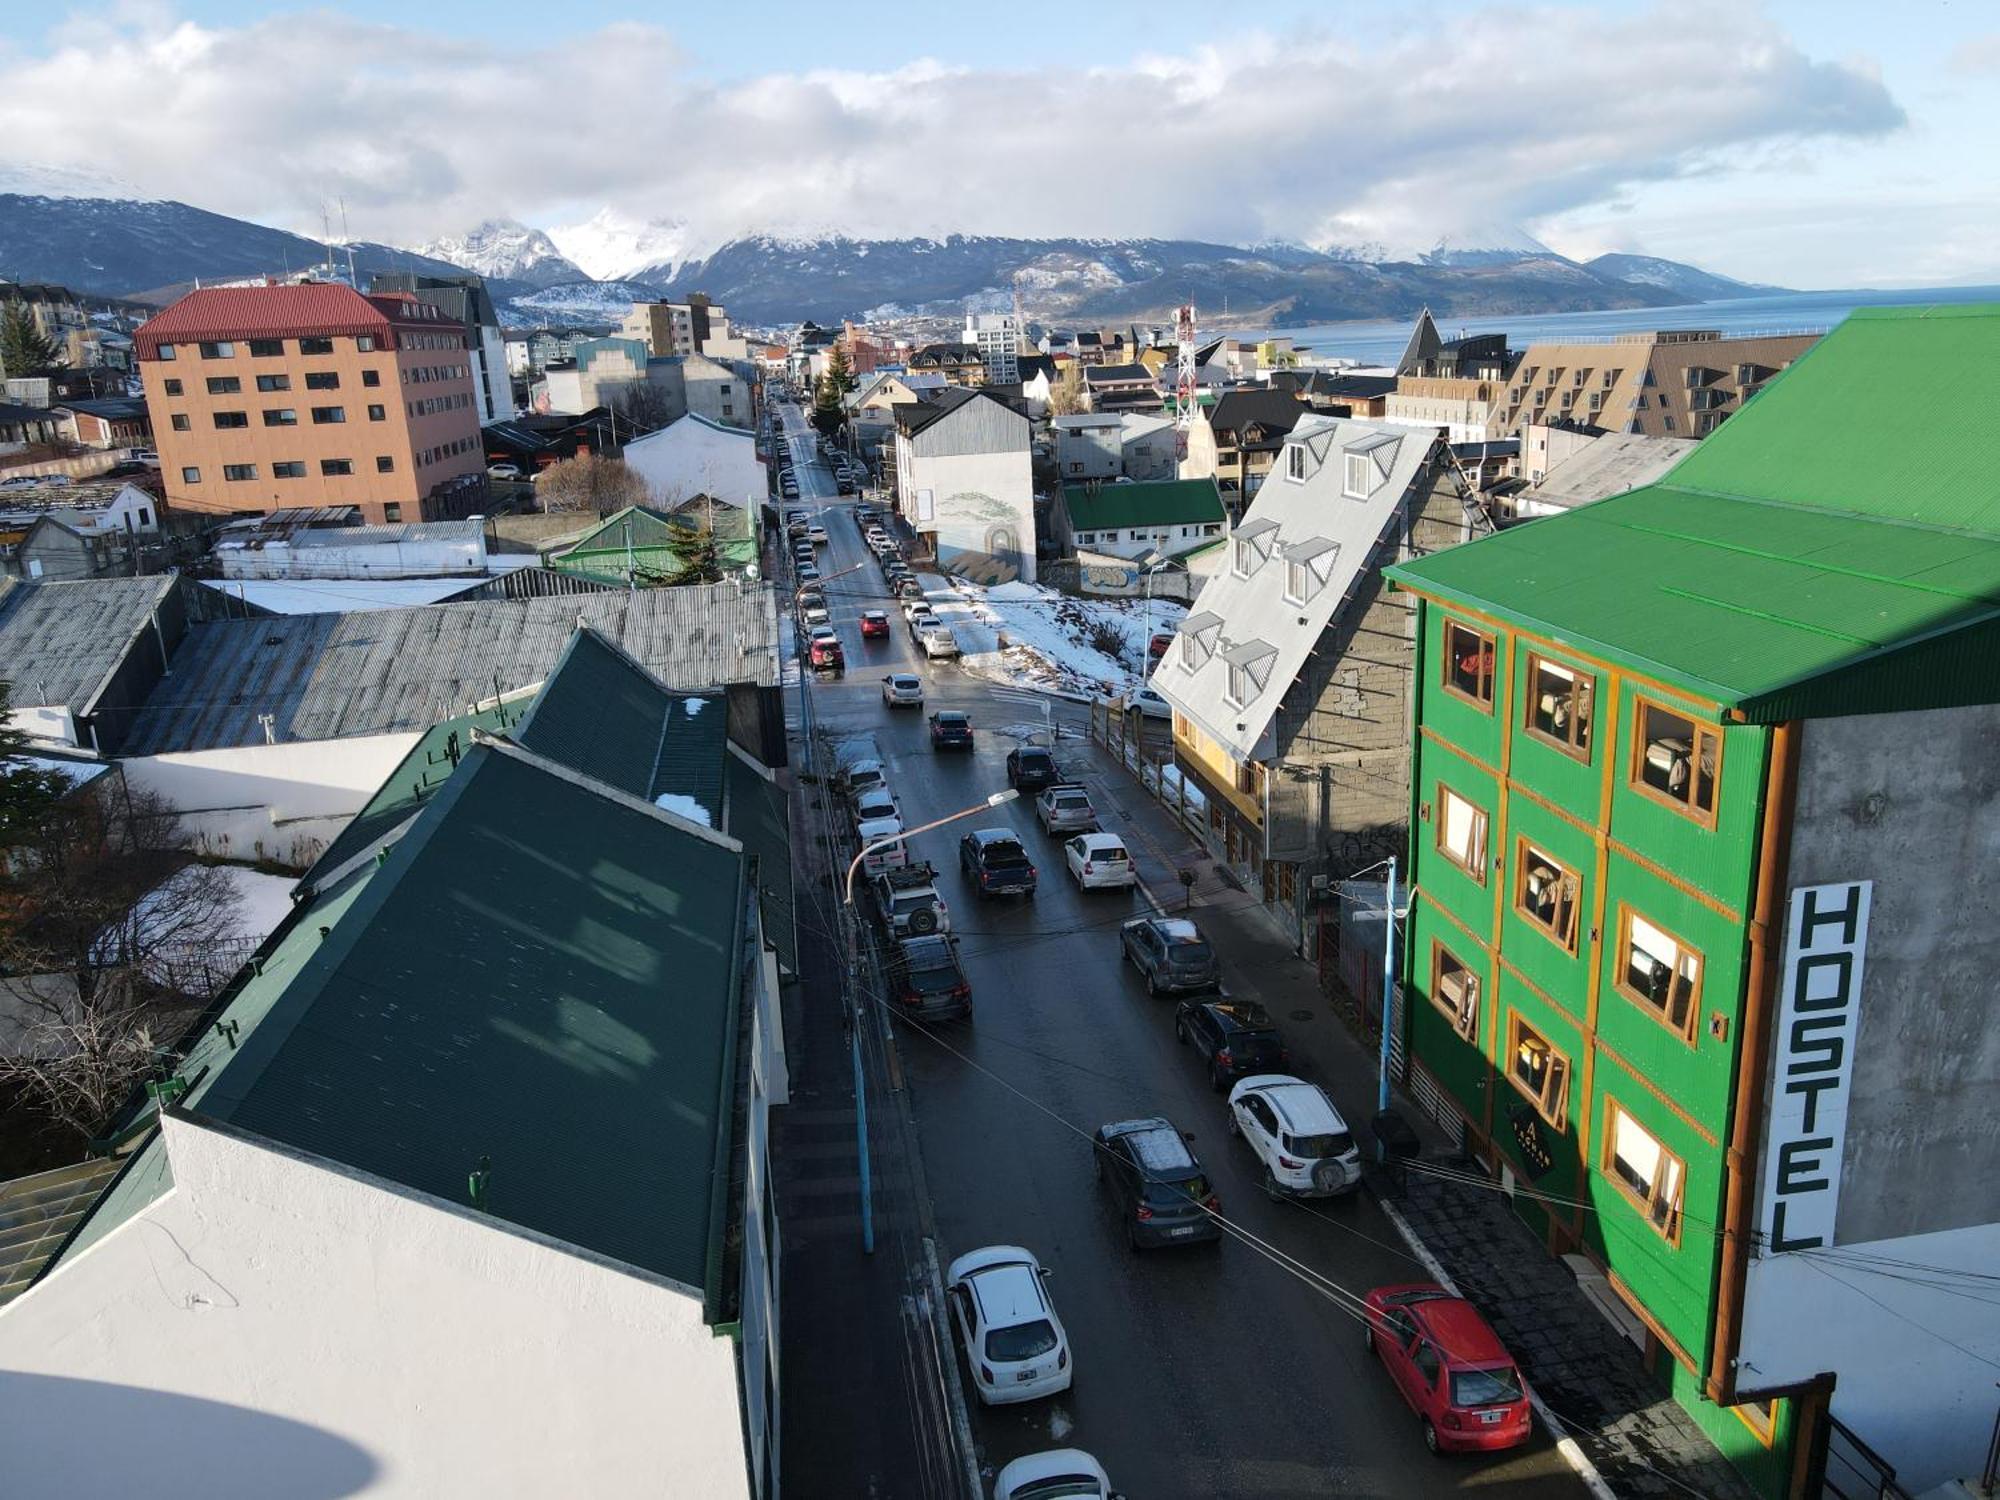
1305	1146
1068	1473
1015	1346
903	690
1100	860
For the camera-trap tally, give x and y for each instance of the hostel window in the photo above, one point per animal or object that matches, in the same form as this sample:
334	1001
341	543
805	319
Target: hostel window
324	415
385	464
224	385
266	348
221	349
1659	971
167	351
280	416
377	413
180	421
239	471
315	346
1298	583
1360	476
1675	759
1468	663
392	511
322	380
1546	893
190	475
1559	700
232	419
274	382
171	387
371	377
336	466
1295	461
288	469
1461	833
1649	1174
1455	991
1537	1070
366	344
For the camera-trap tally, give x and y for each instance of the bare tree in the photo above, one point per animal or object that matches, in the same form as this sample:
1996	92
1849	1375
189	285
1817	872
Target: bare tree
590	482
1066	398
645	405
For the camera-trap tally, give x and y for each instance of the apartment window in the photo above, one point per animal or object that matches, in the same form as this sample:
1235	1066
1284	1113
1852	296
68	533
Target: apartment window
224	385
190	475
365	342
1455	991
280	416
377	413
289	469
1360	476
1545	892
171	387
1659	971
1559	705
1246	558
322	380
167	351
392	511
1295	461
1668	420
219	349
336	466
232	419
1538	1072
371	377
1461	832
274	382
1675	759
384	464
180	421
1645	1171
315	346
267	348
1468	663
324	415
235	472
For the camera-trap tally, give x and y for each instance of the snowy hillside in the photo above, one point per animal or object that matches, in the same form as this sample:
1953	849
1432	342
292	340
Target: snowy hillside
508	250
37	180
575	303
612	246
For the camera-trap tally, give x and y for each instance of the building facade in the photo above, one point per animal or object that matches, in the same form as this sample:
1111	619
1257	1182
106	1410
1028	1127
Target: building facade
1235	441
1681	382
965	483
997	337
669	328
466	299
274	397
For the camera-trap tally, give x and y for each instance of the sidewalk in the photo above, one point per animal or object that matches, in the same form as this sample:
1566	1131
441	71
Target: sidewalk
1641	1441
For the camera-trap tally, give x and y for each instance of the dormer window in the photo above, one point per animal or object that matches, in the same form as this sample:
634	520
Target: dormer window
1295	462
1199	634
1253	543
1249	670
1360	476
1308	565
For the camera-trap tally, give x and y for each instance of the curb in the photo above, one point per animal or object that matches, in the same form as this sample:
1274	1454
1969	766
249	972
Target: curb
1566	1445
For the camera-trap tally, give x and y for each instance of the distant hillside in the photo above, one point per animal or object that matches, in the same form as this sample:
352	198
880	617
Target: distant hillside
1687	283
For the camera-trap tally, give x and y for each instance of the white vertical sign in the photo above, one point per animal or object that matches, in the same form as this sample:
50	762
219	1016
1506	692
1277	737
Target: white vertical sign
1819	1008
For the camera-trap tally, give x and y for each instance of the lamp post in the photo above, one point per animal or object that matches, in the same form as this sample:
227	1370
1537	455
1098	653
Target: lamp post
853	985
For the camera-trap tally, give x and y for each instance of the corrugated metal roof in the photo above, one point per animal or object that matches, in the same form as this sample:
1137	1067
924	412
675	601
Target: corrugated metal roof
325	308
329	676
1162	502
58	641
760	816
1616	462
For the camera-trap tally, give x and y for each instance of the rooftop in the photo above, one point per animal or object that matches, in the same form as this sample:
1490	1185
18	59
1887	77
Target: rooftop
325	308
60	642
1162	502
1611	464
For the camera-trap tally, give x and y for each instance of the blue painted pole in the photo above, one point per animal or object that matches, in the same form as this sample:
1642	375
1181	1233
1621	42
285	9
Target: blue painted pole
1388	986
861	1133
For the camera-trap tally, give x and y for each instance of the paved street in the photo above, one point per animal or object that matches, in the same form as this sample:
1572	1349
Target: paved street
1207	1372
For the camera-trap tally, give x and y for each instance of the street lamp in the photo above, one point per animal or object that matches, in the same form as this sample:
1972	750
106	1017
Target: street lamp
996	800
1147	649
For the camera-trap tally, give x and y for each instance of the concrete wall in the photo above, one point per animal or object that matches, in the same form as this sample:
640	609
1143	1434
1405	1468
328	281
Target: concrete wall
283	803
686	459
968	481
1088	452
273	1326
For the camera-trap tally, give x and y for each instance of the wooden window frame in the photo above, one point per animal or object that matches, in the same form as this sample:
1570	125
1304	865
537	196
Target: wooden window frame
1647	1206
1465	1026
1555	1113
1568	943
1492	648
1583	681
1477	868
1700	730
1690	1030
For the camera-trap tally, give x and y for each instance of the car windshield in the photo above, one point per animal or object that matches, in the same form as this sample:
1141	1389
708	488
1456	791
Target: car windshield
1023	1341
1177	1194
1485	1387
1059	1487
1319	1147
906	683
1071	801
1004	852
1190	955
1255	1043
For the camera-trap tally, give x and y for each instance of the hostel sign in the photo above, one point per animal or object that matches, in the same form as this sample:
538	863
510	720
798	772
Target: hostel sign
1819	1008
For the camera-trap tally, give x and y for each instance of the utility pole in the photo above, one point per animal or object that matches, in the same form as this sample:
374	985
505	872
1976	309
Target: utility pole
1185	378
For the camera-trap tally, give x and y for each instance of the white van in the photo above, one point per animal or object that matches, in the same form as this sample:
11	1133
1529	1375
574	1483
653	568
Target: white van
892	856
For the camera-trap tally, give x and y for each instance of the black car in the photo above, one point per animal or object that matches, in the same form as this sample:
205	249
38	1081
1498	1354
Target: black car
1235	1038
1156	1186
1171	954
996	863
950	730
1030	769
926	980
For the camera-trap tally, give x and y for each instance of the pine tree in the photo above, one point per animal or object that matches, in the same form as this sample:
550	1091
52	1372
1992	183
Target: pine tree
23	345
840	369
829	415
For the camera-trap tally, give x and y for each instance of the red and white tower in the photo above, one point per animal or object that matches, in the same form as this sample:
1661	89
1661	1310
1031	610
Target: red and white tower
1184	376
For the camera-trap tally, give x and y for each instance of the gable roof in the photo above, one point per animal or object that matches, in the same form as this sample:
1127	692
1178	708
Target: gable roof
1160	502
323	308
1790	565
61	641
1616	462
1274	410
1108	374
912	417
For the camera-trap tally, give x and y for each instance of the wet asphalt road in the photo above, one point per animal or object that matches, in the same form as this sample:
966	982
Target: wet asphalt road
1205	1371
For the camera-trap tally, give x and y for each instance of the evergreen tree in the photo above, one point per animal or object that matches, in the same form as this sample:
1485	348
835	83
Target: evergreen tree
840	369
23	345
828	415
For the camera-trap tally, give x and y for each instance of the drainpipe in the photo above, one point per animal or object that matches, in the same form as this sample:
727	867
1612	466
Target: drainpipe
1753	1058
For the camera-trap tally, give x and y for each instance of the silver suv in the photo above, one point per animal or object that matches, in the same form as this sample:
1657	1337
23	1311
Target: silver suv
1065	808
910	902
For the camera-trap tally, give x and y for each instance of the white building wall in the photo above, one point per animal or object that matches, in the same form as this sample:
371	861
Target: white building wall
424	557
689	458
275	1327
980	507
1084	453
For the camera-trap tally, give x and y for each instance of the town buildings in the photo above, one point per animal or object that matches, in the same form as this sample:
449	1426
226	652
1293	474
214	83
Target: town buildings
282	396
1161	519
1564	468
1119	388
466	299
964	483
1679	382
76	531
697	456
1234	441
958	363
997	337
1090	445
668	328
106	422
1702	841
1149	446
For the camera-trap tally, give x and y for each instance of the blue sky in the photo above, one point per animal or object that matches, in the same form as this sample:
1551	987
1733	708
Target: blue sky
1815	144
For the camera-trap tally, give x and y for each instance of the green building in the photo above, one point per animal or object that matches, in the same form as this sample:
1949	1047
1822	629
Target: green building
1659	741
644	548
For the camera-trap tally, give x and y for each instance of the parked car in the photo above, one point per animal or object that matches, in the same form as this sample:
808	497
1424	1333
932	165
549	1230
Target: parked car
808	573
1156	1186
927	981
861	776
907	587
996	863
1157	643
1059	1474
813	611
824	654
874	802
818	534
910	902
1294	1130
874	624
508	472
1031	768
950	730
1015	1347
1170	954
1098	861
1150	704
917	614
937	641
1233	1038
1450	1366
1065	808
882	846
905	690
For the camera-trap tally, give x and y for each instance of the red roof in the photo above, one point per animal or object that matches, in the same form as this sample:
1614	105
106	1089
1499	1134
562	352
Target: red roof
325	309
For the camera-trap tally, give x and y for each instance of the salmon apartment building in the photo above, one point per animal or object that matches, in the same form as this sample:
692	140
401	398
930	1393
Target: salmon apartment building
266	397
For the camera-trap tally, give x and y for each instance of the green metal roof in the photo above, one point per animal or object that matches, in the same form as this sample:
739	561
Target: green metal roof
1800	561
654	541
1159	502
759	815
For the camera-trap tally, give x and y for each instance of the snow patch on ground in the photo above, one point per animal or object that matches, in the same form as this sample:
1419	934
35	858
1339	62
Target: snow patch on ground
1032	637
683	806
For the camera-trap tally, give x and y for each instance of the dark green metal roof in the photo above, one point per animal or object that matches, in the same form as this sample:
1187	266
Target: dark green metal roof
652	543
1162	502
1781	570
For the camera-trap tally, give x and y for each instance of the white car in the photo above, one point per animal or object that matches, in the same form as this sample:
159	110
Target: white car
914	607
1098	861
813	611
937	640
891	856
1059	1474
903	690
874	802
1150	703
818	535
503	471
1306	1147
861	776
1015	1346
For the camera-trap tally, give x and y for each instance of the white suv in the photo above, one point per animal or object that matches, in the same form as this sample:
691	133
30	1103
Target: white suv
1306	1148
1015	1346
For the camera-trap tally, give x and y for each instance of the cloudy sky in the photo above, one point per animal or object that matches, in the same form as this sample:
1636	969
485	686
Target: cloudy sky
1804	142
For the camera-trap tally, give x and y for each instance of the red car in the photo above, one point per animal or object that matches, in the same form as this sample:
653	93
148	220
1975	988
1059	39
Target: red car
874	623
1450	1366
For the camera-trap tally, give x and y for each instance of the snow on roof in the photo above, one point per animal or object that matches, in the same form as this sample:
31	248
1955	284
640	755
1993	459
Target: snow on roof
331	596
683	806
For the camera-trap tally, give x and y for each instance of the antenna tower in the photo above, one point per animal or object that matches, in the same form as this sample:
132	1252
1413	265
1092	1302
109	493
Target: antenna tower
348	241
1184	376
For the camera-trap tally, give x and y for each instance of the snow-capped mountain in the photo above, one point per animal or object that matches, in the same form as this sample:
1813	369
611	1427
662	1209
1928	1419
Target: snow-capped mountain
611	246
39	180
575	303
1687	282
507	250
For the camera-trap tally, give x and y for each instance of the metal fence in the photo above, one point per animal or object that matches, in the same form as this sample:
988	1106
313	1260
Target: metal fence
1855	1471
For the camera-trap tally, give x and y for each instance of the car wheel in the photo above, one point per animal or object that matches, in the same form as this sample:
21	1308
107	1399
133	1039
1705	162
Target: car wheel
1430	1436
1153	985
1368	1337
1217	1079
1180	1031
1271	1188
1235	1128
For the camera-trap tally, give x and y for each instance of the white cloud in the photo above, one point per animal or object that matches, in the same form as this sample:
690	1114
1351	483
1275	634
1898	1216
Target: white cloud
1493	118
